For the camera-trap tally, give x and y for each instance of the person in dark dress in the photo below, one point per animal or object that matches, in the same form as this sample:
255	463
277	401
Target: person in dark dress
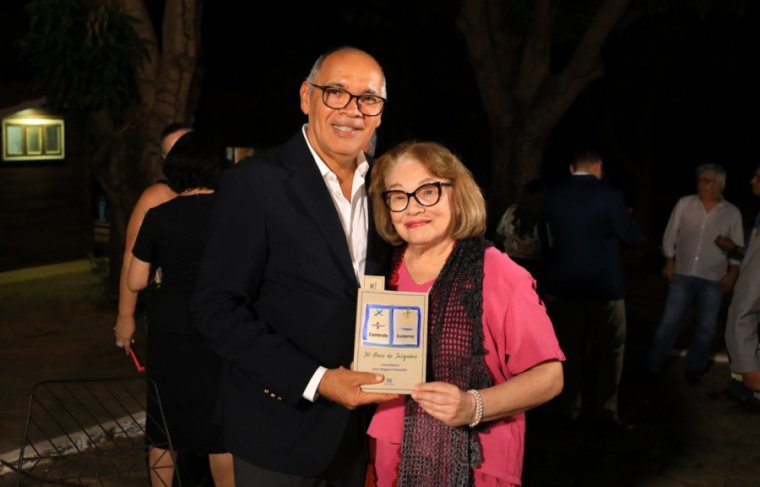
155	194
179	362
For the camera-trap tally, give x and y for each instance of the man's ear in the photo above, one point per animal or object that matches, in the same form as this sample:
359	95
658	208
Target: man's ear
304	94
598	171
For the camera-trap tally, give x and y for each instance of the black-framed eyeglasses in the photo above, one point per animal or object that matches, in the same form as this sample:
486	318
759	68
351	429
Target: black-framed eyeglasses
338	98
426	195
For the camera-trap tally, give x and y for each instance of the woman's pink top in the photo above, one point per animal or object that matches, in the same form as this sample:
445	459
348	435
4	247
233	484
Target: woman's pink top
517	336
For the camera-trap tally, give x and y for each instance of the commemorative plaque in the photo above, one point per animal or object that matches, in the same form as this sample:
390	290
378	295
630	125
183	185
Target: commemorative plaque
391	336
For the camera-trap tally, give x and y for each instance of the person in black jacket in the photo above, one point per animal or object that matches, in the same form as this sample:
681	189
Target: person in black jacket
583	282
291	237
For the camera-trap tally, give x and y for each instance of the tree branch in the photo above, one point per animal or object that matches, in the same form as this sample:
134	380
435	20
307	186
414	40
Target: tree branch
584	66
492	51
181	43
536	53
148	72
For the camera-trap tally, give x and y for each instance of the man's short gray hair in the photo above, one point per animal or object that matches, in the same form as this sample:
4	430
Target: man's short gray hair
720	173
317	67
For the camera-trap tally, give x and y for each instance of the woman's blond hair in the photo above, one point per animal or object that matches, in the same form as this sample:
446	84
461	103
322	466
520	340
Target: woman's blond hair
467	203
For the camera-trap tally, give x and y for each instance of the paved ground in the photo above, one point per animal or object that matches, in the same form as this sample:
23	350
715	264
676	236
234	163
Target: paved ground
59	327
56	327
685	436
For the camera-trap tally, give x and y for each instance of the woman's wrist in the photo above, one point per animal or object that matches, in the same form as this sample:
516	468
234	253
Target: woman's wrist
477	414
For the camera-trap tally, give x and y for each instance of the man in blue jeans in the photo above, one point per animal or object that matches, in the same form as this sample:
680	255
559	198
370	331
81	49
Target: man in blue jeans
699	271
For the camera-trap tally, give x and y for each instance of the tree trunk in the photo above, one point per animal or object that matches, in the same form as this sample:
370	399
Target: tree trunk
522	97
126	158
519	155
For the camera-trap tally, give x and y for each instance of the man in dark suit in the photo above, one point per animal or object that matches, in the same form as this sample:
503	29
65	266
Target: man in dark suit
743	320
587	220
291	237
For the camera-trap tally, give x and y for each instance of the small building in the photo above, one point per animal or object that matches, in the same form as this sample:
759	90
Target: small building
46	207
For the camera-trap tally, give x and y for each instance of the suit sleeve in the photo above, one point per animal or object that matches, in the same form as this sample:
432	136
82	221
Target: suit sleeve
744	318
625	228
229	281
736	233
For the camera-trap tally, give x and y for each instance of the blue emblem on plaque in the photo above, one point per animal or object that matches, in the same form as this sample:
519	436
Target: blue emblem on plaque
386	326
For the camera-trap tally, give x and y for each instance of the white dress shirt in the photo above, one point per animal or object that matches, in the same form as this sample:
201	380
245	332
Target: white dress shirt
690	237
353	216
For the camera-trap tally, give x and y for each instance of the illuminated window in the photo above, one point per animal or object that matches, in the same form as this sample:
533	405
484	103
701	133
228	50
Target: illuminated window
32	135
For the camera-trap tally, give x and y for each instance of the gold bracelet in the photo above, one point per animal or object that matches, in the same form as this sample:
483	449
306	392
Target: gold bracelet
478	408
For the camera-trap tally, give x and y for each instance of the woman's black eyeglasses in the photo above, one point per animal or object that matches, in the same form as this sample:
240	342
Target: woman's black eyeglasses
426	195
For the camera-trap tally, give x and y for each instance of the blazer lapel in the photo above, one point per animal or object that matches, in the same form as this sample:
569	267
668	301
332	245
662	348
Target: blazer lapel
309	187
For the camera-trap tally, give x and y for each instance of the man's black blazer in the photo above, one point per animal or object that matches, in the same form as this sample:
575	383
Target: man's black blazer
587	221
276	298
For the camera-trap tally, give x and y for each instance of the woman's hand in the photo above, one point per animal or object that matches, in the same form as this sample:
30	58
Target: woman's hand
124	331
455	407
445	402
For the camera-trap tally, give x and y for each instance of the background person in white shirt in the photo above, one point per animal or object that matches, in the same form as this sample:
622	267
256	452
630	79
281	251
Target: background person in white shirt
698	270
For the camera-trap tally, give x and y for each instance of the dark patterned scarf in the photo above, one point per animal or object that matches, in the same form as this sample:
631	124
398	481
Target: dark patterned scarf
433	454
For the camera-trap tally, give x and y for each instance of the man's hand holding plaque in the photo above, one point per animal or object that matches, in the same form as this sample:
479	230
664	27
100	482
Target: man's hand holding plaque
345	387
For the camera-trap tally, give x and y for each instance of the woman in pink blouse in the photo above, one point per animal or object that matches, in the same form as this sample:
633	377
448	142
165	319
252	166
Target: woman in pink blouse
492	349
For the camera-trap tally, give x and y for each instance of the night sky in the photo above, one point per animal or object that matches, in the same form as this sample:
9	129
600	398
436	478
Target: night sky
260	60
679	88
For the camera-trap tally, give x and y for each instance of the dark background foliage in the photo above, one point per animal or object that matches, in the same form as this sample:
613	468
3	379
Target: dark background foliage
679	87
